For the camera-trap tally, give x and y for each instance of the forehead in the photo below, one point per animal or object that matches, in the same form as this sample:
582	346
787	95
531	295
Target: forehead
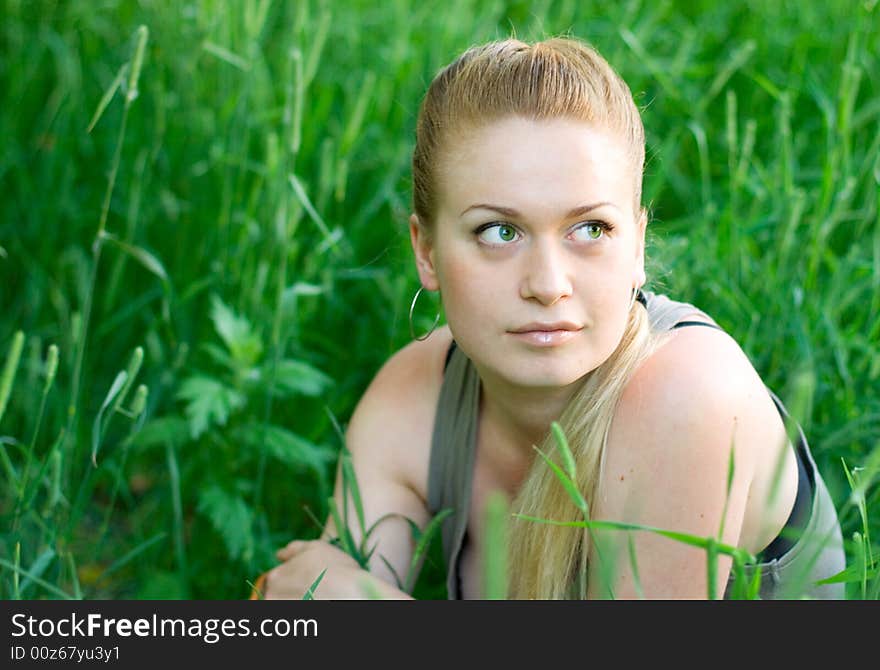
525	163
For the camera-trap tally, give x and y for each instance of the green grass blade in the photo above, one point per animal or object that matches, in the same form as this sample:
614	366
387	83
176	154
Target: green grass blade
137	61
735	62
310	592
349	482
134	553
693	540
495	570
397	580
16	585
346	541
304	200
634	566
9	369
712	568
107	97
98	427
177	512
11	473
567	457
74	576
51	367
570	487
421	549
51	588
731	469
226	55
142	256
38	567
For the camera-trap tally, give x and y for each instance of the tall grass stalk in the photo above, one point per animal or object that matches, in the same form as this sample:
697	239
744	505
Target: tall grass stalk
177	518
51	367
131	93
9	369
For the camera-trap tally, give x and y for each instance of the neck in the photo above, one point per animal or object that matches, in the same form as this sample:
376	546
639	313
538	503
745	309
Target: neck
519	416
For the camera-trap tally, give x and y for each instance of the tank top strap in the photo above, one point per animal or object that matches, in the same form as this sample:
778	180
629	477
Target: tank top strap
453	448
664	313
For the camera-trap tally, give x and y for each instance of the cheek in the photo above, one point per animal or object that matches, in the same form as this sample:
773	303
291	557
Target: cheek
604	280
463	285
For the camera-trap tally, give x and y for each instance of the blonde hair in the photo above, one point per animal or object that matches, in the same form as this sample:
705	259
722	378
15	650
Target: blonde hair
556	78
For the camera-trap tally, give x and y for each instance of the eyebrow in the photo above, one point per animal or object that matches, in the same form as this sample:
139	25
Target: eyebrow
507	211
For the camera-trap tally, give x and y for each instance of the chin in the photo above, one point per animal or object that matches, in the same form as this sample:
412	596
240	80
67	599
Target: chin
547	374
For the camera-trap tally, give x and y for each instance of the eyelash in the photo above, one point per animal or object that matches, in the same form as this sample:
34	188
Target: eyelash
606	227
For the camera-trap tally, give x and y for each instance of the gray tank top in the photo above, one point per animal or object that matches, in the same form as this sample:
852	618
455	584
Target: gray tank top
815	555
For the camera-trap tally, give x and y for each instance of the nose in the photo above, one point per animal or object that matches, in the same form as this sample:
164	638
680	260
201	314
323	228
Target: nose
546	276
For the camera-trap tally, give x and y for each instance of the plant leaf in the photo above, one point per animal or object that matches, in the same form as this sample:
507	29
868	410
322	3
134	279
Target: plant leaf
292	377
218	355
231	517
157	432
285	446
236	332
209	402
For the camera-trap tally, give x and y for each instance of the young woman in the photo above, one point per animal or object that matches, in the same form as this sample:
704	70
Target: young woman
528	220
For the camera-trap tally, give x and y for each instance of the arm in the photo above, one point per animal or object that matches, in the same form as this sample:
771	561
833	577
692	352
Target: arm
386	439
667	461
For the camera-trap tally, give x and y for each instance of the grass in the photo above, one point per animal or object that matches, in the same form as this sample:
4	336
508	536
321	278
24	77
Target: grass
226	191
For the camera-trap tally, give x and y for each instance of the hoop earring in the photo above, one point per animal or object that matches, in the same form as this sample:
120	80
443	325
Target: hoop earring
638	295
411	308
642	298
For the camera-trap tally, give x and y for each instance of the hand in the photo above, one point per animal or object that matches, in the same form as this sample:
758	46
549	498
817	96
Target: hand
303	562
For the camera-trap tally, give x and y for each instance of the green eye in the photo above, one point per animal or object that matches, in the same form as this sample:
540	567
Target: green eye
497	233
593	231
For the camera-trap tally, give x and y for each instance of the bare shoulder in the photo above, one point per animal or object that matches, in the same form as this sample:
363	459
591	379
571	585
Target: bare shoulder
696	373
685	406
390	429
695	403
696	397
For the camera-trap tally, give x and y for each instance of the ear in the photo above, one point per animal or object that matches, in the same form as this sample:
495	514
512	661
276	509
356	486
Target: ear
641	226
423	248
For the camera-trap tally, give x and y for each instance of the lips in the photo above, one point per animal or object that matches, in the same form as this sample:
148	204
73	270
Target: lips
541	334
543	327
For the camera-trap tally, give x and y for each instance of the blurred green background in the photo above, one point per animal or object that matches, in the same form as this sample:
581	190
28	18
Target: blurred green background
232	236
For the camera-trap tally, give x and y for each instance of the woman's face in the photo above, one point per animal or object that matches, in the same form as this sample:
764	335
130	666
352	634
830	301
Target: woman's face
536	230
